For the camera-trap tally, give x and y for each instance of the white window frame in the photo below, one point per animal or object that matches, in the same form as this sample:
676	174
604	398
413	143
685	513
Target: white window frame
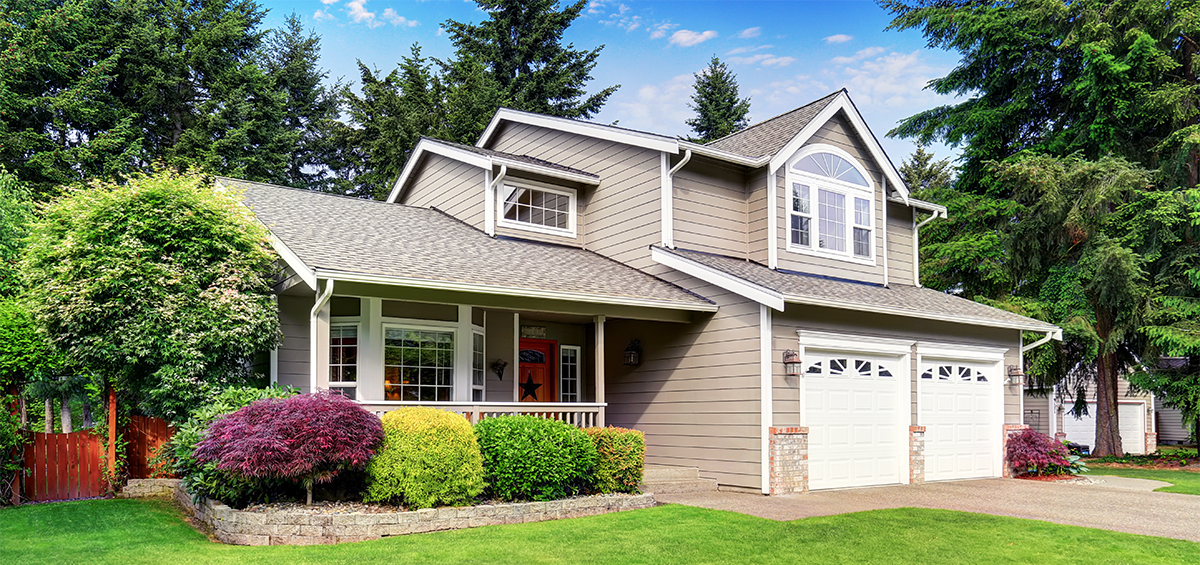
420	325
849	190
578	372
342	322
511	185
483	368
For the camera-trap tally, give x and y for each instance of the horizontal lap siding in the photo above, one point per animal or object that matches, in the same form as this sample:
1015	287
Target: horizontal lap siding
900	244
1170	424
622	214
839	133
710	210
293	352
450	186
756	217
696	393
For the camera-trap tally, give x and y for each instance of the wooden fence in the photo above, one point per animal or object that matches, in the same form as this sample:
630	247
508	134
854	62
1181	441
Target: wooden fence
62	466
145	435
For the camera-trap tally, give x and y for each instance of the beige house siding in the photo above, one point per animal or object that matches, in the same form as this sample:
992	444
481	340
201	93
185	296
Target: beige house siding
900	244
756	217
696	392
623	213
451	186
1170	424
293	352
710	209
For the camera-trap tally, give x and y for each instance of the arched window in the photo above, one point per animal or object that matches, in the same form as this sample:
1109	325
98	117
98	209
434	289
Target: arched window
832	209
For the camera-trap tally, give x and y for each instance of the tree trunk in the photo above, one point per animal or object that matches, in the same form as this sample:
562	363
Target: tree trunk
87	414
49	416
308	486
1108	431
65	412
24	411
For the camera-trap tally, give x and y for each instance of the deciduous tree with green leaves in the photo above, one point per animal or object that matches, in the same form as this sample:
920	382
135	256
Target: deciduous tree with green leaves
159	285
719	110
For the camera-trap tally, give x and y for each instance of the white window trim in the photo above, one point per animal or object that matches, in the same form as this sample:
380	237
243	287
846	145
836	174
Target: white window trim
341	322
849	190
510	185
478	331
578	372
430	325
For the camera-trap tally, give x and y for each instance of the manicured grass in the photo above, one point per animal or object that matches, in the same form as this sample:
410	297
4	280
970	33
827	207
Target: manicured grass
1185	482
132	531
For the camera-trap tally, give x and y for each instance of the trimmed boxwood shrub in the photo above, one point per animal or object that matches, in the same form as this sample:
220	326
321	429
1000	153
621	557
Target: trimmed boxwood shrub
531	458
429	458
621	455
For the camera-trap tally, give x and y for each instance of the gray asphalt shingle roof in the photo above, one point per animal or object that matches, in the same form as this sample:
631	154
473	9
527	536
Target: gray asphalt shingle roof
512	157
768	137
903	299
340	233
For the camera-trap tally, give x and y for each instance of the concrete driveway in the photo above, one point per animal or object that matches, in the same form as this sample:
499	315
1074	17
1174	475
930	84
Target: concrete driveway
1121	505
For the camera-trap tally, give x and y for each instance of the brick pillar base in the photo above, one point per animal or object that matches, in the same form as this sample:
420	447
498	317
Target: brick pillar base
1009	430
789	460
1060	437
1151	442
916	455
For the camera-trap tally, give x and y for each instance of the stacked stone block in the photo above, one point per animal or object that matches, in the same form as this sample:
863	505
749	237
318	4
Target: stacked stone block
789	460
916	455
148	488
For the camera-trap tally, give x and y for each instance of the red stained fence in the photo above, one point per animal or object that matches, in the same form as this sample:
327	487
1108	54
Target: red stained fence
145	435
62	466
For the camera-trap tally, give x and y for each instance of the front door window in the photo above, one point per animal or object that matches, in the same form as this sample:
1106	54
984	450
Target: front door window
536	374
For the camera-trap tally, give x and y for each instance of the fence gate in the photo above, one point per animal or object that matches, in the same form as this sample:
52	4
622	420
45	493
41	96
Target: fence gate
62	466
145	435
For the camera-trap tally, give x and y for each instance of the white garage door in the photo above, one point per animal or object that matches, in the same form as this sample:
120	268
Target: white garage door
1131	420
852	404
959	408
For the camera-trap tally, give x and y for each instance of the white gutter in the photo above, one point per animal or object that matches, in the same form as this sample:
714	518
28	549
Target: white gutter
860	307
1055	334
313	342
725	155
668	197
917	243
489	205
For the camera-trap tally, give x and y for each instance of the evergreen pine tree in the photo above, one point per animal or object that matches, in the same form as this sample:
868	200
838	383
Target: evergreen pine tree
719	111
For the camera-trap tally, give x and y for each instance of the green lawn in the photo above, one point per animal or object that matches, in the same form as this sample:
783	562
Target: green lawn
1184	482
133	531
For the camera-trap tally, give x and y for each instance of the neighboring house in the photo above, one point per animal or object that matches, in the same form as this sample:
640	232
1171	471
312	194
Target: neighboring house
1049	412
752	304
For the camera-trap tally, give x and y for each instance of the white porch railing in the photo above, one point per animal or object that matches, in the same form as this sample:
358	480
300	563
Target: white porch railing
581	414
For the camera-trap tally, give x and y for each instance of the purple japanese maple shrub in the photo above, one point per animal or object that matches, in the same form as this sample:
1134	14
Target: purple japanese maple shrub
308	437
1034	453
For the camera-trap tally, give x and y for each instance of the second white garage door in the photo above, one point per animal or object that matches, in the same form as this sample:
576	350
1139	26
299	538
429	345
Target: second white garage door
1131	420
853	411
960	409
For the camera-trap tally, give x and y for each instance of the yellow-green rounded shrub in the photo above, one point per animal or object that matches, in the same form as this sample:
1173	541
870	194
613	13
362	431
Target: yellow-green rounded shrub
429	458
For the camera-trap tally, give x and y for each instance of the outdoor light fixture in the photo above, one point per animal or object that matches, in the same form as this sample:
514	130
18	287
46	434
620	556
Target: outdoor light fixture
498	367
791	362
633	353
1015	375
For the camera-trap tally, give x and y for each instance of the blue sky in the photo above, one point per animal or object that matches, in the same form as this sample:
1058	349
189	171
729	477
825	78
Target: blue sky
785	54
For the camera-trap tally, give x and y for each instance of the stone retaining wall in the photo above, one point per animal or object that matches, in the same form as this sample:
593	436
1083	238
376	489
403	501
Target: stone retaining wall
289	528
147	488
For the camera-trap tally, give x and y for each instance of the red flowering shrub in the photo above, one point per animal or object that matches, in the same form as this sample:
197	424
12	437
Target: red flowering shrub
1035	453
307	437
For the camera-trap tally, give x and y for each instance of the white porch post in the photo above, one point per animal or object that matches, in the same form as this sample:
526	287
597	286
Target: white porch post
463	348
370	350
516	380
599	356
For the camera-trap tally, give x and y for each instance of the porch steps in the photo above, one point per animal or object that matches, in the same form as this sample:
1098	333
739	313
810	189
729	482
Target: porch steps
660	479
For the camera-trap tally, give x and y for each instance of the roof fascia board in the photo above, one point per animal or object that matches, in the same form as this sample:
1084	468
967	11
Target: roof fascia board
808	300
306	274
547	171
922	205
426	145
725	155
646	140
510	291
736	285
842	102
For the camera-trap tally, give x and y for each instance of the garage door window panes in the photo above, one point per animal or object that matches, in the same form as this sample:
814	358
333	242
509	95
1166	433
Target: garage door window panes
953	372
848	368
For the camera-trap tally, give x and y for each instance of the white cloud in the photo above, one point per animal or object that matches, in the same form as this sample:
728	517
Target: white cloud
397	20
751	32
322	15
895	80
688	38
440	31
620	19
595	7
360	15
839	38
328	2
764	59
660	108
860	55
660	30
749	49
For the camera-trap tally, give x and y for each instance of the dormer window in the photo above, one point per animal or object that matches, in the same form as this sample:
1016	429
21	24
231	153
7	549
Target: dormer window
831	209
537	207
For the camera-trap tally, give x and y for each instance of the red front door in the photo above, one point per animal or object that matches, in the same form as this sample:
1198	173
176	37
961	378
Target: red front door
536	375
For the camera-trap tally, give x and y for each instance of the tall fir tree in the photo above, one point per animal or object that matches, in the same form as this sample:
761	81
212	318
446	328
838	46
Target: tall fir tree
719	110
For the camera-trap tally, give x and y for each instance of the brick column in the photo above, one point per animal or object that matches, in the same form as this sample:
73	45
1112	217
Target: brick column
916	455
1009	430
789	460
1060	437
1151	442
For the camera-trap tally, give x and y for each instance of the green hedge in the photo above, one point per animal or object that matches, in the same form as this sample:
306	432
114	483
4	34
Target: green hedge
429	458
531	458
621	456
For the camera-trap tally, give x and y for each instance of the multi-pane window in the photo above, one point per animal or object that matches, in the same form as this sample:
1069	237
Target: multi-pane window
830	192
418	364
343	356
568	386
477	367
539	208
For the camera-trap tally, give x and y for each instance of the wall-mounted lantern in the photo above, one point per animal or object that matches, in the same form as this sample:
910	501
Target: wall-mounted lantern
498	367
1015	375
633	353
791	362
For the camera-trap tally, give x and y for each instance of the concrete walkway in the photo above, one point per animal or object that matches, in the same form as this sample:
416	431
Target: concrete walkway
1110	506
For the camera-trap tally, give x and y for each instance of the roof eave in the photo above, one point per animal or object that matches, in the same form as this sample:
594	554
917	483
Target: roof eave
969	320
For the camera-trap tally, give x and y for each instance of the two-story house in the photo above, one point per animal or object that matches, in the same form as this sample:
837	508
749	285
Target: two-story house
751	304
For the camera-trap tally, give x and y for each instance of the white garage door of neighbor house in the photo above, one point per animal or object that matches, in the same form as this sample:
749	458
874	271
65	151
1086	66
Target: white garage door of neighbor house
958	405
1131	420
852	404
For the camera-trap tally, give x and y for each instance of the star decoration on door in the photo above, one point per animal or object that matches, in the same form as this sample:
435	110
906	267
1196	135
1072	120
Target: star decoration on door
529	388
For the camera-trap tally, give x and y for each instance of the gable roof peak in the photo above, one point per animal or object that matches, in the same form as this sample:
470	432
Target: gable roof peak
772	126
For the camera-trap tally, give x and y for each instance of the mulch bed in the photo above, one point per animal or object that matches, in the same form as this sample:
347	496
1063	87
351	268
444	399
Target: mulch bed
322	508
1161	464
1051	478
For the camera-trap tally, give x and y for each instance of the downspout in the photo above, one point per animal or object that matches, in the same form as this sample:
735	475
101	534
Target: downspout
1052	334
917	246
490	205
883	182
772	221
668	197
322	300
